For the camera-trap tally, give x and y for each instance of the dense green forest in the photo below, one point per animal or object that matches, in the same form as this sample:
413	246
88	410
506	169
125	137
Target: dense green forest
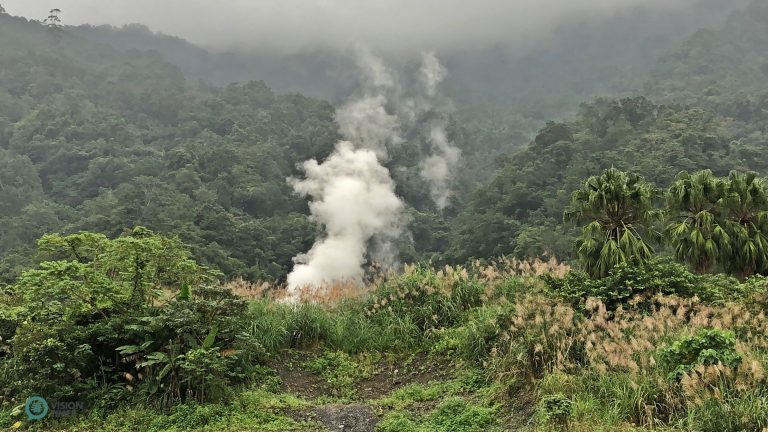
703	108
600	264
99	139
103	136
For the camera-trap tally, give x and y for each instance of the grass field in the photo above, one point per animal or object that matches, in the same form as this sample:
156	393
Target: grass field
488	348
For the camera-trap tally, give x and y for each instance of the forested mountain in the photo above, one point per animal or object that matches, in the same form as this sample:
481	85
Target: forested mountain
526	200
722	68
706	109
583	57
322	73
598	261
101	138
105	128
95	138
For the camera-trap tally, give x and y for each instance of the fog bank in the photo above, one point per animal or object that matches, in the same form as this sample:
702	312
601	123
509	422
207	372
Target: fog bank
381	24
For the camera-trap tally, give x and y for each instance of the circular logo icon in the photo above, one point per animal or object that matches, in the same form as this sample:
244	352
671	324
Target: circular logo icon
36	408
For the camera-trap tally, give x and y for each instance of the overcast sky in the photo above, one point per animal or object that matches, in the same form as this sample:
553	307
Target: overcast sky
384	24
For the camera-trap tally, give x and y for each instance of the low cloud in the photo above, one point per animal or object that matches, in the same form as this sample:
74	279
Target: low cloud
380	24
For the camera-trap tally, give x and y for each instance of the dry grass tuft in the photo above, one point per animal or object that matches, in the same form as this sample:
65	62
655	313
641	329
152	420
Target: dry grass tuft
507	267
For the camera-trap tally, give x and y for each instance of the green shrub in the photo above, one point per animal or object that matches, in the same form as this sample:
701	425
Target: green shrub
479	334
118	420
392	332
414	393
49	359
193	348
398	422
556	409
539	337
625	281
707	347
427	300
6	418
453	415
222	417
108	315
344	327
754	285
457	415
611	397
338	370
353	332
510	287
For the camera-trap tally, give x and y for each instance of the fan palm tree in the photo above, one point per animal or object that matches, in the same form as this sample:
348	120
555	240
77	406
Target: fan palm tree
618	209
745	213
695	231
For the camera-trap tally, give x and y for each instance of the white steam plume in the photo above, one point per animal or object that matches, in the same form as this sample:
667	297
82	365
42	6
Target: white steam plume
431	74
353	196
437	168
366	122
364	119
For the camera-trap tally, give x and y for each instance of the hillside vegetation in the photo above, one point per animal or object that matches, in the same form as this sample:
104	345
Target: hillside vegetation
510	345
600	271
101	137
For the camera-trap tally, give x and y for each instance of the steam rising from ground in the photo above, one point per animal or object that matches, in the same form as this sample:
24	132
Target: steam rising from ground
354	198
432	73
352	194
436	169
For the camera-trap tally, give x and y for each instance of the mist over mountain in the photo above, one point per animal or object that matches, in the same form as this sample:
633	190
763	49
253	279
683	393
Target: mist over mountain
397	25
557	49
501	95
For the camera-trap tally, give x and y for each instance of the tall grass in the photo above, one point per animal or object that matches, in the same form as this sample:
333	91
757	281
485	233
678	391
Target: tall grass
502	317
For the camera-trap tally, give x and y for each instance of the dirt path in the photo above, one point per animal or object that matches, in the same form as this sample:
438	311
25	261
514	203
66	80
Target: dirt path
359	414
348	418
